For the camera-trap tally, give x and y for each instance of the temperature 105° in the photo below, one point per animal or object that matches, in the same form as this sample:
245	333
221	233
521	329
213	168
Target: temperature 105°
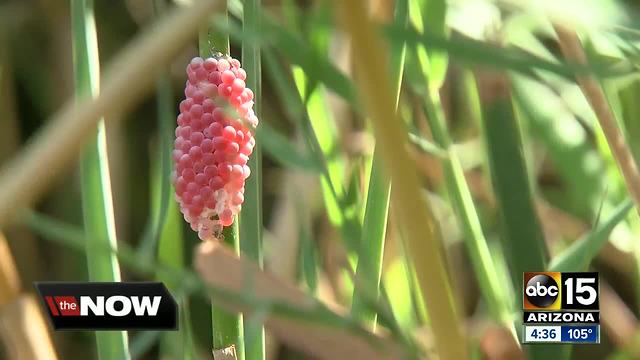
579	334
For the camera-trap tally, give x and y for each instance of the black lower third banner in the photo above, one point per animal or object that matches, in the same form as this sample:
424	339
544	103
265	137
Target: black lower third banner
109	305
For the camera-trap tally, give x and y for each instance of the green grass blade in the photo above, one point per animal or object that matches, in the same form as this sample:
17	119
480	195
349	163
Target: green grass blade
280	149
475	52
97	204
167	221
325	132
227	326
429	16
251	217
319	134
522	238
348	224
579	255
464	207
369	268
459	192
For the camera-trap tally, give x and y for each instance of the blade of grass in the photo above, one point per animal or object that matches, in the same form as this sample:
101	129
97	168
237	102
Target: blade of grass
522	238
284	151
162	207
97	206
167	233
423	236
324	130
459	193
471	51
251	217
374	227
320	142
579	255
227	326
349	225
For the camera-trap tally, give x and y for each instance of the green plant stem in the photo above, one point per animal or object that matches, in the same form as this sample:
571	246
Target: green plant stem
522	238
464	207
210	40
251	217
457	186
167	220
97	204
227	326
370	255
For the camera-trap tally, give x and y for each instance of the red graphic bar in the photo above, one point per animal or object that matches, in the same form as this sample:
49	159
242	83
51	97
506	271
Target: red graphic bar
52	305
68	305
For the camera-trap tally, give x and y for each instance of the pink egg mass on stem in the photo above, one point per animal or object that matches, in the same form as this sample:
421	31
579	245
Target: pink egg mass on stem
214	139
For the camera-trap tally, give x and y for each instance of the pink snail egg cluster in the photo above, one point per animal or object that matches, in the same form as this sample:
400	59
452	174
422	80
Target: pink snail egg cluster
213	142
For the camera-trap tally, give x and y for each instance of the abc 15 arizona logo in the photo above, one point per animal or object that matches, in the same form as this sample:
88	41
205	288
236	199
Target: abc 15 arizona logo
560	291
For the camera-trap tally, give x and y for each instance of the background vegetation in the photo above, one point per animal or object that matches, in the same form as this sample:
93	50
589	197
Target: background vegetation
414	158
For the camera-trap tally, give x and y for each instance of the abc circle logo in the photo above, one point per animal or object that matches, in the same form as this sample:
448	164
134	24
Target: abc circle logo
542	290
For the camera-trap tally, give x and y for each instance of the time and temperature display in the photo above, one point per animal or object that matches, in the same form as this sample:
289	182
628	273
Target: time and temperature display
562	334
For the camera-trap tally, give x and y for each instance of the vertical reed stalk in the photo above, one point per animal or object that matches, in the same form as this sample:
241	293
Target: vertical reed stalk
167	230
370	255
251	217
593	92
227	326
523	239
97	204
465	210
415	217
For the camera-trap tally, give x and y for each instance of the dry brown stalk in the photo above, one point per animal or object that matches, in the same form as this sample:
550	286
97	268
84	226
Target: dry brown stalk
423	237
222	268
128	78
9	280
22	327
24	331
574	52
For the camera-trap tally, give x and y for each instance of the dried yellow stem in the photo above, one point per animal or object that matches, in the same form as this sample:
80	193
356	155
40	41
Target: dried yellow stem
416	219
574	52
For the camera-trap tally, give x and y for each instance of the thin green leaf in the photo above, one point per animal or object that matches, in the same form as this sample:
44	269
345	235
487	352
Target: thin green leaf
460	194
251	217
522	236
283	151
227	326
374	227
579	255
97	205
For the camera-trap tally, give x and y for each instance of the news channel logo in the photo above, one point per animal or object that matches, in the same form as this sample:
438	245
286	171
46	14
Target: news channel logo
561	307
109	305
560	291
